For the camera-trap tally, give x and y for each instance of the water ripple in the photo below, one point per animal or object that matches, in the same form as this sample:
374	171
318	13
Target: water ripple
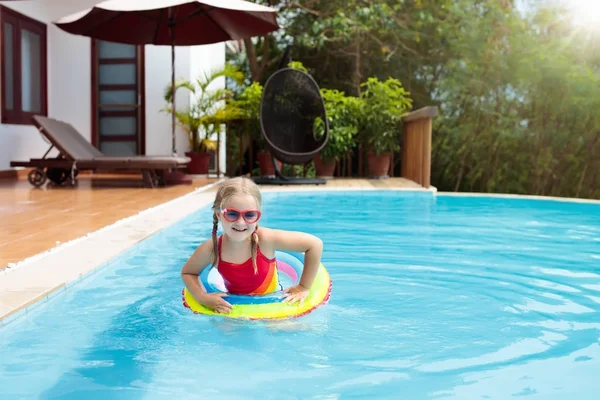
452	297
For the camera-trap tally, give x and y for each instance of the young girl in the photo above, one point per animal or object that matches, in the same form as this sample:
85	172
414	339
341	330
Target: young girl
245	254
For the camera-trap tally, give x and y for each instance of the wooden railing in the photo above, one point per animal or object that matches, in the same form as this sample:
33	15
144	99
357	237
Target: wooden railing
416	147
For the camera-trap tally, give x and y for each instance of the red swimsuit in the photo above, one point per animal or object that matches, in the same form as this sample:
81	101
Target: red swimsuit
241	279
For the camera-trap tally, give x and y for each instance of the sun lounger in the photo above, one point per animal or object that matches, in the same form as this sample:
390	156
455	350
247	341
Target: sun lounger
77	154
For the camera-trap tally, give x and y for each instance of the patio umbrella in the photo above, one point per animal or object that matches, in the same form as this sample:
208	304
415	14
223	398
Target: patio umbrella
172	23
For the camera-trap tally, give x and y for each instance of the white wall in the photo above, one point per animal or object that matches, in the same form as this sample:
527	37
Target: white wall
190	63
158	77
69	84
69	69
204	59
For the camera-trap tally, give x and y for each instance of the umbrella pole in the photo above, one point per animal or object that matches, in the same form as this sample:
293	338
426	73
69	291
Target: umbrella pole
175	177
172	34
173	89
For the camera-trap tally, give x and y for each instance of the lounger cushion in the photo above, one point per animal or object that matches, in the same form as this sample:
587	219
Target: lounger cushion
73	145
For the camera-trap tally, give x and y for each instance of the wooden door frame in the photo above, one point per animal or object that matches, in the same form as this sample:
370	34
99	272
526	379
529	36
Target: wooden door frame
141	71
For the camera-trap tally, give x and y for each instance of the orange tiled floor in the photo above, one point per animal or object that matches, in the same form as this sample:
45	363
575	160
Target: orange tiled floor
34	220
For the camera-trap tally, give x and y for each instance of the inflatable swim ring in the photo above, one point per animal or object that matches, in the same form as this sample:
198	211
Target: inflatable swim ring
269	306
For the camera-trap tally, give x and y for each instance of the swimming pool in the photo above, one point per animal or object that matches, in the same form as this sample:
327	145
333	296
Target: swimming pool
433	297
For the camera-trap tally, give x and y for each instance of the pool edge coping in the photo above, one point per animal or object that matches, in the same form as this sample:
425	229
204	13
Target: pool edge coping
519	196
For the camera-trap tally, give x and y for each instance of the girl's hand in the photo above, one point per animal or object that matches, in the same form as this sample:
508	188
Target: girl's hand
215	302
295	294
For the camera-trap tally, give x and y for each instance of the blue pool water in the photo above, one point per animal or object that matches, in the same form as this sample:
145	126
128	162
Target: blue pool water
447	297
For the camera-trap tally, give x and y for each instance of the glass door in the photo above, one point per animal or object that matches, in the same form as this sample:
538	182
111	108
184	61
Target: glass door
118	98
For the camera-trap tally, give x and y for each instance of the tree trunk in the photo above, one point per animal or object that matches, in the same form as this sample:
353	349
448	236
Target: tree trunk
357	76
492	141
259	69
496	158
461	173
594	184
581	179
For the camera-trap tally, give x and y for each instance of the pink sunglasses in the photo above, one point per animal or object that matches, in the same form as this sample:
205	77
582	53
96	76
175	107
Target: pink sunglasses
233	214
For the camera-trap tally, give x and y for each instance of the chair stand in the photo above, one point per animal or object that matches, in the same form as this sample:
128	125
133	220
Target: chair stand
280	179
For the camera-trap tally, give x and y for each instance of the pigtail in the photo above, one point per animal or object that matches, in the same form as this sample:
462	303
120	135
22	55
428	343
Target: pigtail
254	241
215	255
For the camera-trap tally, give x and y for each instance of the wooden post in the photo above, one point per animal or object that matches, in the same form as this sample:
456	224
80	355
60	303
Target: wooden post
426	170
416	150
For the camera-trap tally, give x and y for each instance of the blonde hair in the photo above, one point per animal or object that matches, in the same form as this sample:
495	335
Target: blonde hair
229	188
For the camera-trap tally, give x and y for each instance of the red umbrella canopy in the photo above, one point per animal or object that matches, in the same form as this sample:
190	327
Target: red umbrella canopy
171	22
192	22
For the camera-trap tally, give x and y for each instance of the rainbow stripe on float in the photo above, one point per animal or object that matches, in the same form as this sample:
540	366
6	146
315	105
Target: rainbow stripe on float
268	306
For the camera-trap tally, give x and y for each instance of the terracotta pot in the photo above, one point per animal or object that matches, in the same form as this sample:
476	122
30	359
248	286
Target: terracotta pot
379	165
322	168
266	165
199	163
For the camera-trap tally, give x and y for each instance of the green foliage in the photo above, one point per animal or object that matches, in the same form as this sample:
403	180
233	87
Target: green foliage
383	105
297	65
517	91
343	113
377	113
208	109
297	170
344	42
518	105
248	102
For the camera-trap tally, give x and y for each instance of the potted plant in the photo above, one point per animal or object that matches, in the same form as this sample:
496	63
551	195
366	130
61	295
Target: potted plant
343	117
248	102
208	110
383	105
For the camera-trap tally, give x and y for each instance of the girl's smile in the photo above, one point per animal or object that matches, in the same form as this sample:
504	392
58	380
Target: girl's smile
239	217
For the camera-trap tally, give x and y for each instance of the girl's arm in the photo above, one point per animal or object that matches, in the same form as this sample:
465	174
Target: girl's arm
201	258
294	241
